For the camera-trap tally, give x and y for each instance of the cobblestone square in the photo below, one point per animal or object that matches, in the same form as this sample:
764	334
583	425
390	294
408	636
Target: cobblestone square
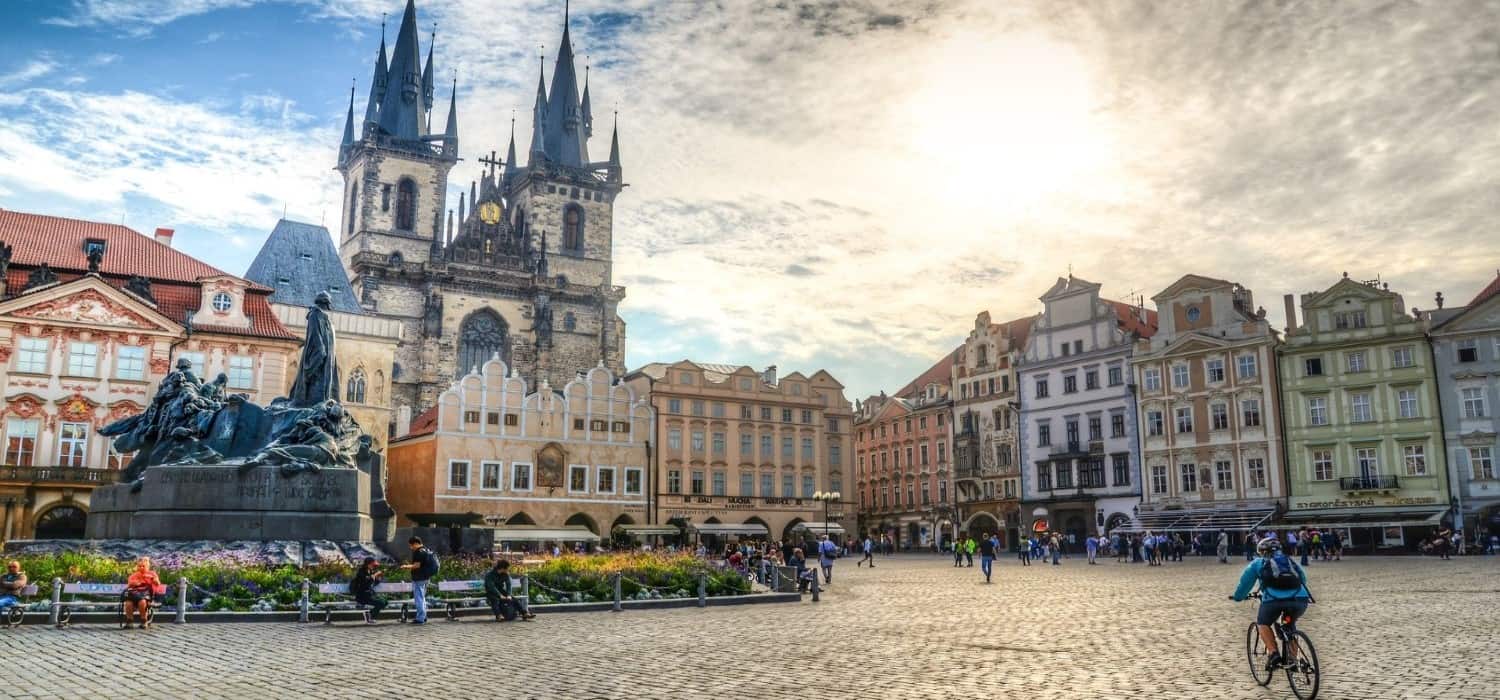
914	627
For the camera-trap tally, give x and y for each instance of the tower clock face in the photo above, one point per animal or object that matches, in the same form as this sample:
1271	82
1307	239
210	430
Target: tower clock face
489	213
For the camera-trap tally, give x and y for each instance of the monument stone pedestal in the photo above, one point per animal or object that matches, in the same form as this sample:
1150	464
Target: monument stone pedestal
224	502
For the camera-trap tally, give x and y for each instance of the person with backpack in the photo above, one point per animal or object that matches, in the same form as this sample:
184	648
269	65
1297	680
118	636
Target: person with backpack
827	552
497	592
1283	589
424	565
363	589
988	546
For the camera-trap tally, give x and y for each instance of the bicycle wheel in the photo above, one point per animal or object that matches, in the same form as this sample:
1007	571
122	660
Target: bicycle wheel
1257	655
1302	672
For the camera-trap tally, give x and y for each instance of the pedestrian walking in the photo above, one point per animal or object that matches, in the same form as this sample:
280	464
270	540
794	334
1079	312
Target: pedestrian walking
1055	544
969	546
958	551
1092	546
1223	547
1250	546
987	548
827	551
869	552
424	565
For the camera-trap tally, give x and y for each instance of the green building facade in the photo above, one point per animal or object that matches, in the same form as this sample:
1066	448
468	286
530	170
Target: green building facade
1363	428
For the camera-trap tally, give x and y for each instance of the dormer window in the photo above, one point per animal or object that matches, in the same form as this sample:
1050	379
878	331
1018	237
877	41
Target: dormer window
223	302
94	244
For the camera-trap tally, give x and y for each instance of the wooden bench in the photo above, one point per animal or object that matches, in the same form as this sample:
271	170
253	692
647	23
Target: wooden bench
342	589
15	613
476	598
65	609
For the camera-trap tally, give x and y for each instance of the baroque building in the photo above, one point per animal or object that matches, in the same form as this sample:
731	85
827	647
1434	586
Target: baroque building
987	426
1080	457
1360	409
743	453
1206	387
902	449
92	316
1466	347
524	274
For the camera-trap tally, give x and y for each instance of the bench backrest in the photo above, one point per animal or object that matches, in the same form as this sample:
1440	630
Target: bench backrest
343	588
474	585
29	590
82	588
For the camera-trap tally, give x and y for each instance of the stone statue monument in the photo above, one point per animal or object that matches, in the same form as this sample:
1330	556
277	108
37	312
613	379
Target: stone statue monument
318	373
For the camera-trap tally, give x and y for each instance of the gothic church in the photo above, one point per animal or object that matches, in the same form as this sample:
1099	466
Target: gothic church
524	272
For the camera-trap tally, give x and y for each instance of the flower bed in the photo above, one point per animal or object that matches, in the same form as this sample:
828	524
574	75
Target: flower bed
228	581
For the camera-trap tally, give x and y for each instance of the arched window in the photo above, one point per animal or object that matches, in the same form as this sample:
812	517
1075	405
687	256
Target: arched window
520	226
62	522
353	205
570	322
573	228
355	391
406	205
481	336
379	387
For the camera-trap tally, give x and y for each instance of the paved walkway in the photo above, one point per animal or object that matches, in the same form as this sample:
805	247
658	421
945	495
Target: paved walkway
912	628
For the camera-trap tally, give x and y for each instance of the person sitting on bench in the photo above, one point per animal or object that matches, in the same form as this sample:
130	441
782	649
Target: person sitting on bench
363	589
497	594
142	586
12	583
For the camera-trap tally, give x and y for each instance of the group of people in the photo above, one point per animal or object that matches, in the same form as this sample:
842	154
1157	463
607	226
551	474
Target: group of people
498	593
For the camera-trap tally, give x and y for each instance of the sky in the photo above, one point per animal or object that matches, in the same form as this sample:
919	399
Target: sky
834	184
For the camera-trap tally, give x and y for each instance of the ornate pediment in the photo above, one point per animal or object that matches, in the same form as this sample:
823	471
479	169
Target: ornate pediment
87	306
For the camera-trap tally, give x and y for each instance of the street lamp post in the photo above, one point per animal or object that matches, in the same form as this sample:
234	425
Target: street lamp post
827	497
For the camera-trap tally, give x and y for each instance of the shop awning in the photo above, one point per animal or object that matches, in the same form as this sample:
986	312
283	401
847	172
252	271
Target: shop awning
538	533
820	528
1200	520
727	529
1389	516
648	530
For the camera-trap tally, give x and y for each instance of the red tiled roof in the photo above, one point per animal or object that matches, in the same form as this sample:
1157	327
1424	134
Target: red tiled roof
423	424
1019	330
942	372
1130	321
1485	294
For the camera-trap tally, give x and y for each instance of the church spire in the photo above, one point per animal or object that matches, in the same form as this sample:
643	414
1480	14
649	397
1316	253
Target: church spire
614	150
565	141
450	133
377	83
401	110
510	152
539	115
427	86
588	113
349	121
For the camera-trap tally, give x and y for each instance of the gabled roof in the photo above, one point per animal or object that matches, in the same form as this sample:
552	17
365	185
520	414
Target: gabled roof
1019	330
1441	318
1344	286
941	373
1069	285
298	261
58	242
1191	281
1130	321
1489	291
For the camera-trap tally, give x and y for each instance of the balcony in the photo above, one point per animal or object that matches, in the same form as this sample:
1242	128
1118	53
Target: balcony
1381	482
1072	447
54	474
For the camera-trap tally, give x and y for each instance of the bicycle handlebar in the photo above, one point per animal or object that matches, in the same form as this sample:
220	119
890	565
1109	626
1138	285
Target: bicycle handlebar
1256	595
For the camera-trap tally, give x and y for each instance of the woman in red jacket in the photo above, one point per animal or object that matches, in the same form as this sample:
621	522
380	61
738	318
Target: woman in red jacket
140	588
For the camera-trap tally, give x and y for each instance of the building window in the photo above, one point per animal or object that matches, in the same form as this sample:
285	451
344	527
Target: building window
697	440
242	375
1116	375
1246	367
674	481
719	445
1096	428
1250	412
809	486
578	478
1041	388
634	481
1317	410
766	448
835	456
1189	474
698	407
222	301
747	445
1473	401
718	483
32	356
718	409
20	441
1090	380
807	417
117	461
1312	367
1117	425
605	483
787	450
1482	462
1360	410
1091	473
697	482
767	485
1043	477
1072	429
747	484
1184	420
1219	416
458	475
788	486
1063	474
674	406
1223	476
1415	457
1215	368
1154	425
1070	383
765	413
1043	434
1255	469
1368	461
353	209
406	205
909	461
1406	403
489	476
73	440
942	492
786	415
1348	320
747	413
1402	357
1322	461
1151	377
512	419
1179	376
1356	361
471	417
1120	465
942	452
1468	350
1159	479
520	476
83	359
482	337
674	439
130	363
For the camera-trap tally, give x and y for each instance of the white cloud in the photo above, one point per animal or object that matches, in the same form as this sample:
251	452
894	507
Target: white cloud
32	70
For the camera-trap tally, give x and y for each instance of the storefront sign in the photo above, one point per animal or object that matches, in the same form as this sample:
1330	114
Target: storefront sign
739	503
1366	502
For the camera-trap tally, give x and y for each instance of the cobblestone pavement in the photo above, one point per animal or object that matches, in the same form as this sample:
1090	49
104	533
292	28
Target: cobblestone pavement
914	627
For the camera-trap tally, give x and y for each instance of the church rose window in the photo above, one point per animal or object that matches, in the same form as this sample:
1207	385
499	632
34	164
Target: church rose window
406	205
573	228
481	337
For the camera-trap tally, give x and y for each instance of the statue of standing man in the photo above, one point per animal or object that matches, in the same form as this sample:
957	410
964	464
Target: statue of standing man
318	374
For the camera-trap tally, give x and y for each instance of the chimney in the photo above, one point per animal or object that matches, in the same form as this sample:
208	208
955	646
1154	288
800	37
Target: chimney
1291	313
769	376
164	236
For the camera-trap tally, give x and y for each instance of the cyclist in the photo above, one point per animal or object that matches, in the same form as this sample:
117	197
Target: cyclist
1283	589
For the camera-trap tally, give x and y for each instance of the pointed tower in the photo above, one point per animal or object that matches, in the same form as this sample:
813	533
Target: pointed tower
588	111
539	118
427	86
377	83
615	174
450	132
401	111
348	139
565	141
511	168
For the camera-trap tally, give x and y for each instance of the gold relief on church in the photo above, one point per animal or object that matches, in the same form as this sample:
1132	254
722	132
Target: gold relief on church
549	466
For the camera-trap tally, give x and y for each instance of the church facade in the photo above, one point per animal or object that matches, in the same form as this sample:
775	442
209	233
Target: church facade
523	274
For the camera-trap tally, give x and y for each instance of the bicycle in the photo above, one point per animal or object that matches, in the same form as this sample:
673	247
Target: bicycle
1302	672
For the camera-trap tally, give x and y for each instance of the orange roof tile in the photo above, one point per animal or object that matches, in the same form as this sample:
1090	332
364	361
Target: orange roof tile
1130	321
424	424
1489	291
942	372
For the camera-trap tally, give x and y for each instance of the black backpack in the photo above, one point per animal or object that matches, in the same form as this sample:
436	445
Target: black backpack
1281	573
